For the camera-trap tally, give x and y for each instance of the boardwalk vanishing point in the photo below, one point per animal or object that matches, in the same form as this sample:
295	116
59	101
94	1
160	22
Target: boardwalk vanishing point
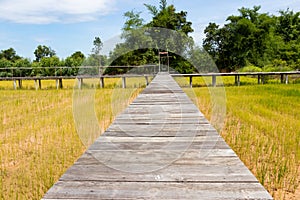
160	147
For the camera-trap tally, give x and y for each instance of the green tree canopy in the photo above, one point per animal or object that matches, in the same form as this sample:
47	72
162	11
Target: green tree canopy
9	54
43	51
143	41
75	60
254	38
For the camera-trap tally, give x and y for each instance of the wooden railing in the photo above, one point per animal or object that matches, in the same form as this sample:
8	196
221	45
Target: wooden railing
17	81
261	76
83	72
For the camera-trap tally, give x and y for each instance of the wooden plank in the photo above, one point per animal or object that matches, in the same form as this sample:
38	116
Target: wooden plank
179	128
193	157
148	133
208	153
154	122
112	139
157	115
135	172
160	145
157	190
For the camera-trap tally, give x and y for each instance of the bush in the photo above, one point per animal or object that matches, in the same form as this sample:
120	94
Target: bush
250	68
277	65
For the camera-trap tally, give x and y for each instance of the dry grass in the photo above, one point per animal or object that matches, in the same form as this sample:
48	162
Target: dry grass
262	126
38	137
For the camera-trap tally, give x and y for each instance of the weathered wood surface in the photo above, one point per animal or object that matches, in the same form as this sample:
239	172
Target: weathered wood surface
160	147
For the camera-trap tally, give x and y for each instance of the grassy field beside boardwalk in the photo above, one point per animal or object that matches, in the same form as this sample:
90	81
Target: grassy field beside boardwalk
38	141
262	126
38	138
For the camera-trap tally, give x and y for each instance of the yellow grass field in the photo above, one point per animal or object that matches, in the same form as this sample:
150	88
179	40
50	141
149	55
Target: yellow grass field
38	138
262	126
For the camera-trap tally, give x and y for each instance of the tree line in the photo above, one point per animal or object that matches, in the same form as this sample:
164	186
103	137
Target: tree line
46	61
250	41
254	41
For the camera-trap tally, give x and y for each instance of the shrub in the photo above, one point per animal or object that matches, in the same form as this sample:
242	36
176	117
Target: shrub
250	68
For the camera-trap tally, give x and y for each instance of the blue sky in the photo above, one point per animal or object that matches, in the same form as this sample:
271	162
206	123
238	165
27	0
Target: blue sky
71	25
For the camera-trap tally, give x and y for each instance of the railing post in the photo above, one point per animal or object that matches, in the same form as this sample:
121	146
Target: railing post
191	81
263	79
20	83
147	80
123	82
286	79
258	79
237	80
101	82
79	83
60	83
15	84
35	84
214	80
56	80
281	78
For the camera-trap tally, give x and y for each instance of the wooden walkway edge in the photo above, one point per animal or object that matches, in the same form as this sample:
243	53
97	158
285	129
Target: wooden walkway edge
160	147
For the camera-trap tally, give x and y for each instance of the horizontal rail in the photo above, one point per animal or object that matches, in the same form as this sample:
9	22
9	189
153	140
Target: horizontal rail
238	74
79	67
10	73
72	77
140	75
59	79
284	76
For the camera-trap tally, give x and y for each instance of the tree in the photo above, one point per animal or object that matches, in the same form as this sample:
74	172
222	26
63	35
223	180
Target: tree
75	60
202	60
97	48
134	21
78	55
4	63
143	41
288	25
43	51
48	63
288	30
167	17
22	63
252	38
96	55
10	59
9	54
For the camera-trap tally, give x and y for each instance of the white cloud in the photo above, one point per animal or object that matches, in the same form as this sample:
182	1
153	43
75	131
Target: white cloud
42	40
51	11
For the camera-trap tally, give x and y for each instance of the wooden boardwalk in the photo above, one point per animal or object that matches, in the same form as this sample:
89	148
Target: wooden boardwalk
160	147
